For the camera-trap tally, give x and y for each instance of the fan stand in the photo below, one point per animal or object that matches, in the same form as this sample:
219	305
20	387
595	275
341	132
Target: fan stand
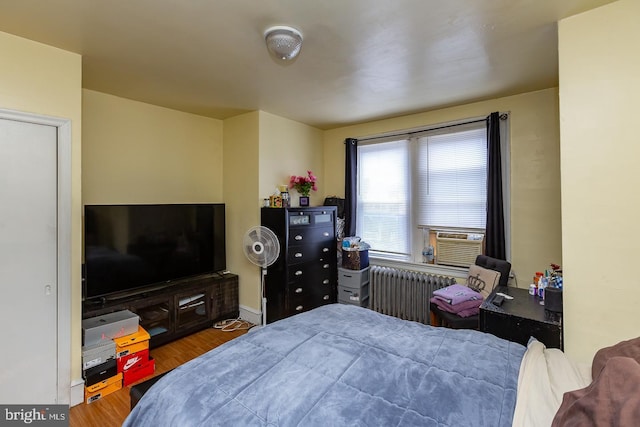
262	248
264	297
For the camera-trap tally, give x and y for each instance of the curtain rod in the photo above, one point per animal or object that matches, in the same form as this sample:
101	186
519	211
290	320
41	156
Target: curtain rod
502	116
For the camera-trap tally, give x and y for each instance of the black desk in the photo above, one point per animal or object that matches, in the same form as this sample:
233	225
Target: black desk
520	318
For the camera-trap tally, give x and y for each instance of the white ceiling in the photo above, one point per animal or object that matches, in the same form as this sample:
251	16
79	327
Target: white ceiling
361	59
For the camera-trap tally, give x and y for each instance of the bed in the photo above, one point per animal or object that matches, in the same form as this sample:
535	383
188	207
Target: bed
346	365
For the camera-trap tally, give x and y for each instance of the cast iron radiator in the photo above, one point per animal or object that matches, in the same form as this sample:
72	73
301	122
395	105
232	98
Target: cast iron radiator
403	293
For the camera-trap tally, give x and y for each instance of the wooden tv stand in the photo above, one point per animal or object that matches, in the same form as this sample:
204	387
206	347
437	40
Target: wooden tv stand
176	309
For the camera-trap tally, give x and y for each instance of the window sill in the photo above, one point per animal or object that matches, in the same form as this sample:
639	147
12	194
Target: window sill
460	273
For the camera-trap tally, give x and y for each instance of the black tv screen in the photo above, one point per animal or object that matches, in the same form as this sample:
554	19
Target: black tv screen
127	247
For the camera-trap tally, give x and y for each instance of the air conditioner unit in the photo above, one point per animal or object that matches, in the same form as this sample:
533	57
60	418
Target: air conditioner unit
458	249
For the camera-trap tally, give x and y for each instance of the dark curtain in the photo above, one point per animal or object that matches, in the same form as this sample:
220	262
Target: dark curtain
350	186
495	239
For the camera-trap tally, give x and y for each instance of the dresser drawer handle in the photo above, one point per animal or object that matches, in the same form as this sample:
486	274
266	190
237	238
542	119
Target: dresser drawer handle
299	308
298	255
325	234
326	297
298	273
325	282
298	237
326	266
325	250
298	290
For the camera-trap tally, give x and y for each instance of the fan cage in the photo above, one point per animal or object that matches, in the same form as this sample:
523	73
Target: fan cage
261	246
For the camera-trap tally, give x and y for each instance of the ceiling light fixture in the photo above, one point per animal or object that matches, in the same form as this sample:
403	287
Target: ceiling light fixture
283	42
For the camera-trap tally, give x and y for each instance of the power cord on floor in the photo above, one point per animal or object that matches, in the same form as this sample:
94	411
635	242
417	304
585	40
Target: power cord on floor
230	325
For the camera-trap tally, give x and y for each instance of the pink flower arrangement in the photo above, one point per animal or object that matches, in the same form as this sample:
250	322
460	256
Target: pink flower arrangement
304	184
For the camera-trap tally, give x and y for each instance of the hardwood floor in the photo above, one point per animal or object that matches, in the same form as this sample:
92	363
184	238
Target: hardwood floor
111	410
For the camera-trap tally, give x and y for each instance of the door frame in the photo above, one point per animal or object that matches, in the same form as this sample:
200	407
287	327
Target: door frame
64	209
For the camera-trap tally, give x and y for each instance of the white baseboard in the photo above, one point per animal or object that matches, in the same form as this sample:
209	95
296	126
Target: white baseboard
250	315
77	392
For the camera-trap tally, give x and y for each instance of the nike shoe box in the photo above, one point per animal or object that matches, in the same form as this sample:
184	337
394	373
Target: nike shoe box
96	354
108	326
138	372
102	388
100	372
132	343
131	360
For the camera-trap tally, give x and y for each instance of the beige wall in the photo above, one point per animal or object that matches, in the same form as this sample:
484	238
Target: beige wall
289	148
240	191
41	79
140	153
599	92
535	169
261	151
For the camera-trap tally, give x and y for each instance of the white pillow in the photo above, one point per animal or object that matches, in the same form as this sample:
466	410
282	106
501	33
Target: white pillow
482	279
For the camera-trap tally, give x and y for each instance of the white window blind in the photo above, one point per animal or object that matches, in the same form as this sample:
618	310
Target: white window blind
452	179
384	209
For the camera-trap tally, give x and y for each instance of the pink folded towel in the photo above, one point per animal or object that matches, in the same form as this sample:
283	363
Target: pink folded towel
463	309
455	294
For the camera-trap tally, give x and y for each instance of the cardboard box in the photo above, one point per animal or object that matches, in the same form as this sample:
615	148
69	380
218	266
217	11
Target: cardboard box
132	343
108	326
131	360
100	390
97	354
139	372
104	383
100	372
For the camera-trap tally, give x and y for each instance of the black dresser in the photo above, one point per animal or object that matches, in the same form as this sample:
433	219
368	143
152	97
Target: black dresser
520	318
305	274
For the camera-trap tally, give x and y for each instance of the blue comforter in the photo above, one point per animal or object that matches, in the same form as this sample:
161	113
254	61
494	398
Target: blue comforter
341	365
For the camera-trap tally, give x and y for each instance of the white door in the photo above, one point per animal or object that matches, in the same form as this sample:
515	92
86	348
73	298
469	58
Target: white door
28	263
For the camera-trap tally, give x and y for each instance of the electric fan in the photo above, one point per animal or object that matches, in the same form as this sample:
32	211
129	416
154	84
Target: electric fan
262	248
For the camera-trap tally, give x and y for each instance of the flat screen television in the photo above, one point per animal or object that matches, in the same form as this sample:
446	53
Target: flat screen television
129	247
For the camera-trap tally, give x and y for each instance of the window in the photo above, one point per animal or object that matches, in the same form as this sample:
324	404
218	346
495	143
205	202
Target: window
452	179
412	186
384	196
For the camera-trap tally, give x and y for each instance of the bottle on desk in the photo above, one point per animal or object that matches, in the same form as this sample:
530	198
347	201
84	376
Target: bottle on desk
542	285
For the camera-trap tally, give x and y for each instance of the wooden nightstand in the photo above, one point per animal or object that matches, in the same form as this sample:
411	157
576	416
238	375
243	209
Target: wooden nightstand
520	318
